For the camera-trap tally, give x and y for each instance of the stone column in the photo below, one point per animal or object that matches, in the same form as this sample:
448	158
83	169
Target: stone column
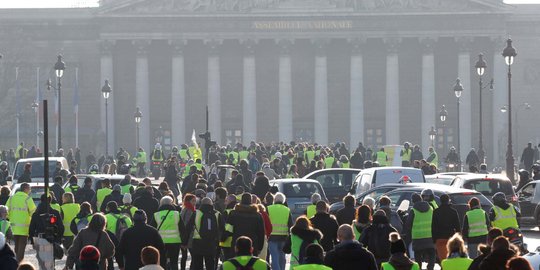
214	90
356	109
178	94
106	64
249	131
285	92
321	93
500	98
464	73
142	94
392	92
428	92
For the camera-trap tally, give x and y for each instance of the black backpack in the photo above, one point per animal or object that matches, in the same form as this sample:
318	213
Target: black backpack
248	266
209	230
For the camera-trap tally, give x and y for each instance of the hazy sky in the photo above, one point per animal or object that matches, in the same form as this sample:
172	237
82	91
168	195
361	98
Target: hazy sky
83	3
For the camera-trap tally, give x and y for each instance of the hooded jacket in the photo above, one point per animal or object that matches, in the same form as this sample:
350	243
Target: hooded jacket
350	255
423	243
497	260
7	258
504	206
328	226
445	222
307	236
375	237
246	221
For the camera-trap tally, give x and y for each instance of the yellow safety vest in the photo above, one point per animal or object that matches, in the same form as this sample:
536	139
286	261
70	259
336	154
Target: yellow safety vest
382	158
229	228
167	222
505	219
311	210
20	210
435	160
345	164
243	154
73	189
279	217
456	263
56	207
199	166
309	156
388	266
477	222
422	224
329	162
406	155
433	204
312	267
183	153
159	158
4	226
125	189
243	260
296	244
100	195
142	157
198	219
112	219
131	210
70	211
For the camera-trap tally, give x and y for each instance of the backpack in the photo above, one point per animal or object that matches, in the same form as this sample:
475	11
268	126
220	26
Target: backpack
127	211
82	223
121	226
248	266
209	230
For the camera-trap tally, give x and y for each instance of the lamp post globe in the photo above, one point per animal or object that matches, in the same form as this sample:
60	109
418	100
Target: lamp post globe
432	134
106	90
137	116
480	65
509	53
59	67
458	88
443	114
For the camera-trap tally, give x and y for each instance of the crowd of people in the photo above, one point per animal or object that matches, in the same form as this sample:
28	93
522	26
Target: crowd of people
244	223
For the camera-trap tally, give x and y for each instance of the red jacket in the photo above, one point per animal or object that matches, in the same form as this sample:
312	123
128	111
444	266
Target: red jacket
267	224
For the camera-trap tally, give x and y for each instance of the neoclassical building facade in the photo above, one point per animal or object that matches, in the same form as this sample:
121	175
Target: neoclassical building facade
376	71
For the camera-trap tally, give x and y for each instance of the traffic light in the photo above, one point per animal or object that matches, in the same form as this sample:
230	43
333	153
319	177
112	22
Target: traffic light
51	226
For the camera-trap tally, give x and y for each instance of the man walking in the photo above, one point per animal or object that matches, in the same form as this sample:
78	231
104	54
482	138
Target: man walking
20	207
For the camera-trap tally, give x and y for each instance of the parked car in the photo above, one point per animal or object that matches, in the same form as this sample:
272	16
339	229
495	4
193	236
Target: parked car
96	179
459	197
298	192
442	179
336	181
529	202
36	190
487	184
372	177
38	168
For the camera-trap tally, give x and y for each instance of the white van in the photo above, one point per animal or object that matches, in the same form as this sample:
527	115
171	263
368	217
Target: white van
373	177
38	168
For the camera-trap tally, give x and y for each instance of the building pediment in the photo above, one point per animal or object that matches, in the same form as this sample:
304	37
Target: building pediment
154	7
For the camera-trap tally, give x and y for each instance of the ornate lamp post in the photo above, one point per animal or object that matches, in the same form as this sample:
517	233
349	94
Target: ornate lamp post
432	134
480	66
59	68
509	53
35	107
106	91
443	114
458	89
138	116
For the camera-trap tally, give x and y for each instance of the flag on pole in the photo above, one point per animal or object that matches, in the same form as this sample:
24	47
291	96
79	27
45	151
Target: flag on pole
194	139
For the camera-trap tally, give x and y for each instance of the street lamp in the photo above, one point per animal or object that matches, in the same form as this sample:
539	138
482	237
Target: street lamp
480	70
138	116
432	135
443	114
59	68
35	107
106	91
509	53
458	89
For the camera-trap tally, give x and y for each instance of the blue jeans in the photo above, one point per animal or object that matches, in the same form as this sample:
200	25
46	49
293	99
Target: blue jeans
277	255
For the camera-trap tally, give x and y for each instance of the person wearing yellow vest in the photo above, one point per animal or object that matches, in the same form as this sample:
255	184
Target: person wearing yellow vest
19	151
170	226
311	209
140	161
127	208
115	220
226	242
82	219
314	259
363	220
419	228
381	157
309	155
243	153
5	225
433	158
183	153
344	162
125	185
102	193
245	259
398	257
20	210
429	197
69	211
329	161
405	154
476	225
503	215
281	219
457	255
302	234
72	187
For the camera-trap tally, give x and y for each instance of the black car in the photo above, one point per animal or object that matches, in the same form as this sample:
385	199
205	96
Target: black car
336	181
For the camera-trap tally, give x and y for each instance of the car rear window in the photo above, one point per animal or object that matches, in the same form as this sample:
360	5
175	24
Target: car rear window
296	190
37	169
462	198
489	186
394	176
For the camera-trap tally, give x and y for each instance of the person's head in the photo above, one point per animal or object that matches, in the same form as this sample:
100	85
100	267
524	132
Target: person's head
4	191
86	208
28	167
280	198
315	197
106	183
427	195
349	201
363	214
474	203
112	206
369	202
3	211
68	198
245	199
97	222
415	197
58	180
456	245
315	251
500	243
243	246
147	181
206	201
302	222
87	182
139	217
46	199
165	200
445	199
25	187
493	234
190	198
345	233
518	263
149	255
221	193
127	199
321	207
73	180
397	245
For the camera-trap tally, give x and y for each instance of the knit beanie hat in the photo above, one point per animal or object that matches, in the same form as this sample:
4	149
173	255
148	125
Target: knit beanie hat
89	253
127	198
397	245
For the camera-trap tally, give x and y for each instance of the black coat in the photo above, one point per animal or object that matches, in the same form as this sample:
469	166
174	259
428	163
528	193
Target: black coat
134	240
346	215
115	196
445	222
328	226
207	245
37	224
350	255
247	221
7	258
497	260
307	236
84	194
147	203
376	237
